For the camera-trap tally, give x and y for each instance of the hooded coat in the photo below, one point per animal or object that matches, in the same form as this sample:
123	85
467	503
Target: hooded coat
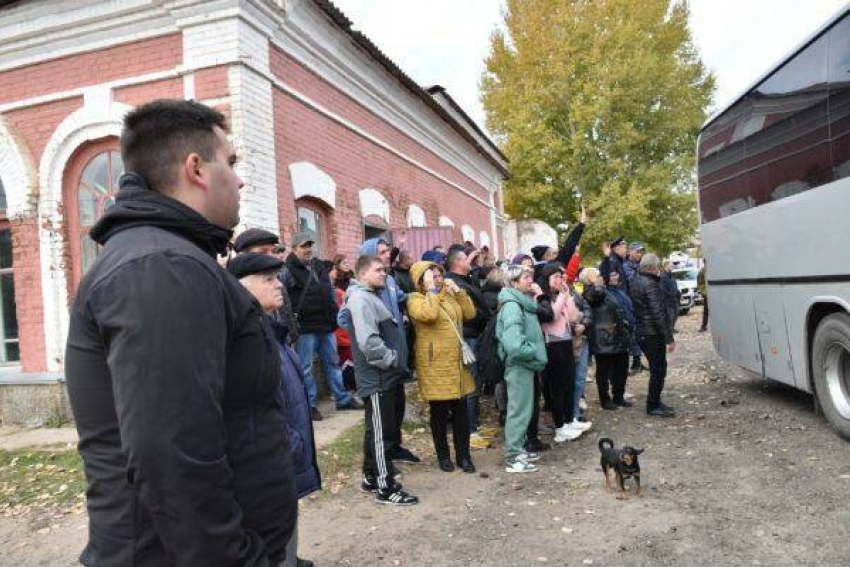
377	340
439	363
292	397
393	298
172	373
518	331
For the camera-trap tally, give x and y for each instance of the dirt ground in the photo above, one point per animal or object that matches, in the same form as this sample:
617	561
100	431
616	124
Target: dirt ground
745	475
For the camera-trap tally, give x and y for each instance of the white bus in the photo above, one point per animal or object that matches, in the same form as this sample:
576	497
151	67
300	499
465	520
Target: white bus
774	197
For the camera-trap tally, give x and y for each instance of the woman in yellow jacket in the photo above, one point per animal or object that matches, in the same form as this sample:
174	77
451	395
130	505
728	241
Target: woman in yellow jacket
438	309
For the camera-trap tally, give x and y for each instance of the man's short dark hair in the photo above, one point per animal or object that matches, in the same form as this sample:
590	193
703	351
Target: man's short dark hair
365	262
454	252
158	136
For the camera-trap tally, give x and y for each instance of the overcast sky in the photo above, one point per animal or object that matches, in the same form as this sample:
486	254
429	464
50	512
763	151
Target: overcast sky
445	42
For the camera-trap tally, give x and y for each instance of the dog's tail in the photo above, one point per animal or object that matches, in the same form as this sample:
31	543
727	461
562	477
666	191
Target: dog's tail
605	440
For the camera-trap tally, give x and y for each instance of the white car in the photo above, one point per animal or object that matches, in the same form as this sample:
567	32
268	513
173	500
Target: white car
686	279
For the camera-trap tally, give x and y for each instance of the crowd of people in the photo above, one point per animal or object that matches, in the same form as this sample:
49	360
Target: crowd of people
193	386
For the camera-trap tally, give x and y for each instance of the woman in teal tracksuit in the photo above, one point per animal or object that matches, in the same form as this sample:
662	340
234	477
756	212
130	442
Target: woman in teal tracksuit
523	349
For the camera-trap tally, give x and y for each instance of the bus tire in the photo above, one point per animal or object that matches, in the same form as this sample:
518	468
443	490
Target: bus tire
831	371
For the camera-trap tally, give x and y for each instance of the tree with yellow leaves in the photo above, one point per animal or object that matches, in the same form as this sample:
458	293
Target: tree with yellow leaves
599	102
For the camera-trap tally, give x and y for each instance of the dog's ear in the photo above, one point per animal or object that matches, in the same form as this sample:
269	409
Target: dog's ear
638	451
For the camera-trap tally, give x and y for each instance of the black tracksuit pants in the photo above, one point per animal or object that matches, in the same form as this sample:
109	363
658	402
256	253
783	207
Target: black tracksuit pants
656	352
400	405
613	369
559	378
378	447
456	412
533	431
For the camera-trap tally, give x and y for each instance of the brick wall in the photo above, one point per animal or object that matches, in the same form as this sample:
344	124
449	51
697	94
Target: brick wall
28	297
138	94
125	60
306	82
354	162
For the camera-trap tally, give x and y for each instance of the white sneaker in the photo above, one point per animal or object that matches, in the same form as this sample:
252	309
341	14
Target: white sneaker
528	457
582	403
520	466
581	425
628	396
566	433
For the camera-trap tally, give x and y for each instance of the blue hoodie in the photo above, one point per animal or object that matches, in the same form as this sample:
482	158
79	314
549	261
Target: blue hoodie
391	296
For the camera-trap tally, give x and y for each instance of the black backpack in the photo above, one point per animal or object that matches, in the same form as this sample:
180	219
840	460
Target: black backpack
491	367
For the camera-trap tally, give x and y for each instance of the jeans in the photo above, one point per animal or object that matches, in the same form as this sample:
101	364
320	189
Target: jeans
325	345
582	364
472	399
656	353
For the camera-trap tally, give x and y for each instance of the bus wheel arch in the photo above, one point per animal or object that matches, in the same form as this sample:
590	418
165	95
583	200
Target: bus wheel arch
828	334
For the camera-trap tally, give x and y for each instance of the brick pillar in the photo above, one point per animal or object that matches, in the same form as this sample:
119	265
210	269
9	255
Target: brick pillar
26	262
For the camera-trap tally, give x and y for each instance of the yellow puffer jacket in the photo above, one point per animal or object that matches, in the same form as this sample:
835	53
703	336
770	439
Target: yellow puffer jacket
439	364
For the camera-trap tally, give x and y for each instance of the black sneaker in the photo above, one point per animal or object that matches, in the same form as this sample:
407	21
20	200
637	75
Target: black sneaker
368	485
446	465
397	497
608	404
316	415
354	404
661	411
536	446
466	465
404	455
623	404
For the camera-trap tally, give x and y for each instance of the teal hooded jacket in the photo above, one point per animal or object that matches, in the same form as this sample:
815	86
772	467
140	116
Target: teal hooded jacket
518	331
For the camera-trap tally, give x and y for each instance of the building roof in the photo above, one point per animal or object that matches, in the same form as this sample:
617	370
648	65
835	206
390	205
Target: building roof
342	21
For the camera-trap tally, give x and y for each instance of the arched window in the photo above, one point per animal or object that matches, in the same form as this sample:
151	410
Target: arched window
91	184
9	345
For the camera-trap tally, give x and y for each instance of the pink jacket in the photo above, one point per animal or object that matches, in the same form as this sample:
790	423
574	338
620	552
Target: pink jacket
566	313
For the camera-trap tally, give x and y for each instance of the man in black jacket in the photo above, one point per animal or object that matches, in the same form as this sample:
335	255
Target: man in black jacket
459	271
314	303
171	367
654	332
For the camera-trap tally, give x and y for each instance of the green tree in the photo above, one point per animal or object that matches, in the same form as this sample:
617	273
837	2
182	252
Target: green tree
599	102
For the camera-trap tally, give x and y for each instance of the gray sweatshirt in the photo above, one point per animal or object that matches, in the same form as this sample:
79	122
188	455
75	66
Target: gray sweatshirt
374	332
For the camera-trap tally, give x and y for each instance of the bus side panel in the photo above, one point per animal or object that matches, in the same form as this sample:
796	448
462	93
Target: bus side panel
798	301
735	337
772	333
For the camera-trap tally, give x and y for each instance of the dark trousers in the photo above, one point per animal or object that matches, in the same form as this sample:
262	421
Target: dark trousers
613	369
533	433
378	447
673	313
559	378
394	434
704	311
656	352
456	412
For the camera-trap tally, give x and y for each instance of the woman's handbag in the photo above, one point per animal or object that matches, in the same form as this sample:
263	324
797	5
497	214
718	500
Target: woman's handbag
467	355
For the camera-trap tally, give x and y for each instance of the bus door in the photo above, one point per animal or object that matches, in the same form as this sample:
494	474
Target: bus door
773	334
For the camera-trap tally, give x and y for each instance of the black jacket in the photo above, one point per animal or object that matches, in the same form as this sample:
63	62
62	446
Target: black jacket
172	371
614	263
474	327
609	329
402	278
672	295
316	313
490	296
651	315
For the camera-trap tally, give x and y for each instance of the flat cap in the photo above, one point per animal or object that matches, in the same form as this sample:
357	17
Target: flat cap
251	263
254	237
303	237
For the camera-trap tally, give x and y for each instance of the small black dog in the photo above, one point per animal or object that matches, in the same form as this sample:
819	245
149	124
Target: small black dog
623	463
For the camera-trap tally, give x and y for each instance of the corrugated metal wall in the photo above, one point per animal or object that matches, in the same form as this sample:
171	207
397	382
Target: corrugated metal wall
418	240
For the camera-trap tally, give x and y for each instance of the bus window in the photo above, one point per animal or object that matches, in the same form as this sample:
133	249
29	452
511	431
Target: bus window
790	152
839	97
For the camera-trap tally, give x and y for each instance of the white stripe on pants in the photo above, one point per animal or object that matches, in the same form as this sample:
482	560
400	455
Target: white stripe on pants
378	440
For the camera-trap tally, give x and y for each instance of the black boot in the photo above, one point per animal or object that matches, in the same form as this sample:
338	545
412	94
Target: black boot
466	465
446	465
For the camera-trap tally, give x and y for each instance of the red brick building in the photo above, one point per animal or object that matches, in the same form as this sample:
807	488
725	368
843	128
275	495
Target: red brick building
333	136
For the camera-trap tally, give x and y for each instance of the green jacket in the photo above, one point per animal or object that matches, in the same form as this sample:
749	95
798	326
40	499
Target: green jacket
518	331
